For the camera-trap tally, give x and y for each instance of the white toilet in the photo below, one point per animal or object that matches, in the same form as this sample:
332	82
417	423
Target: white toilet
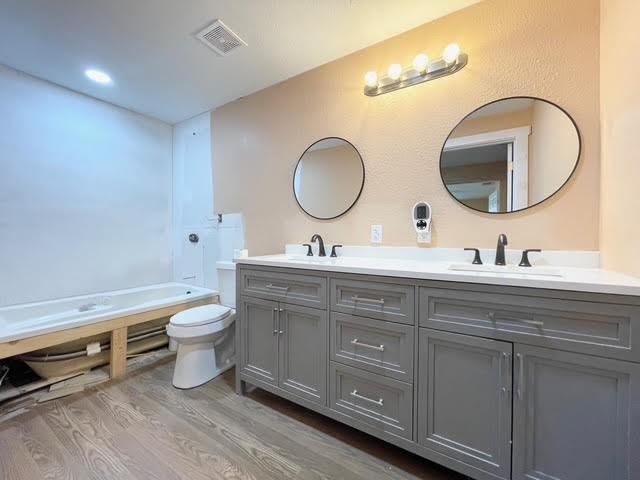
205	336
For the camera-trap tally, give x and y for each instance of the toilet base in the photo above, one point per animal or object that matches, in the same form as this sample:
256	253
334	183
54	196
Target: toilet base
196	365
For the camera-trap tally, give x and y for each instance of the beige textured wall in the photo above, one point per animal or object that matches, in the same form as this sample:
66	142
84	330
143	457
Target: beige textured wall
620	105
491	123
543	48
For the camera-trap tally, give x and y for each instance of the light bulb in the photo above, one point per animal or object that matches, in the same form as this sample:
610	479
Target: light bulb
371	79
98	76
421	62
395	70
451	53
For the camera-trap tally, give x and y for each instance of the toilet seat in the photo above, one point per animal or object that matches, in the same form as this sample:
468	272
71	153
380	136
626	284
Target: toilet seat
182	332
203	315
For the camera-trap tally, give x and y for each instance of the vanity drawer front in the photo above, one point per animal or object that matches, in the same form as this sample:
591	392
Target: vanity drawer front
379	347
303	290
384	301
382	402
581	326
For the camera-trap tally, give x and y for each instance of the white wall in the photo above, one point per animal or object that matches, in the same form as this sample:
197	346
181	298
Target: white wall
194	263
85	194
193	209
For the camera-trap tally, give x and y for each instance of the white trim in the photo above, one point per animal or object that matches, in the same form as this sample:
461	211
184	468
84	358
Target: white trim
519	136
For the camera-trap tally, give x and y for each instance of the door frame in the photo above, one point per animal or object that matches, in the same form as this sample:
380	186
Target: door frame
518	171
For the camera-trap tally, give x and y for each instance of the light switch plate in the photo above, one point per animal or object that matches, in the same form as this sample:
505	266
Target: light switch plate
376	233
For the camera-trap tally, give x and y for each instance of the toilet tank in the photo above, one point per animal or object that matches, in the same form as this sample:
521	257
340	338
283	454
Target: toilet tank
227	283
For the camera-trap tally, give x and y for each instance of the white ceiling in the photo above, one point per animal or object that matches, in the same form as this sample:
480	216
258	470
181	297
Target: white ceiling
160	69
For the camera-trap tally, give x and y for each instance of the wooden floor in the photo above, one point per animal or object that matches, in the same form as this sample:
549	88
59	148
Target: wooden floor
143	428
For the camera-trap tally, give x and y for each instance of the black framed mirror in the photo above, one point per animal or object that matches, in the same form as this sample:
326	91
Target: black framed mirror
510	154
329	178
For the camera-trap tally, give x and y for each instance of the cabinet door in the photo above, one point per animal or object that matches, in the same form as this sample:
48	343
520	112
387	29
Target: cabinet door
259	339
303	352
576	417
464	400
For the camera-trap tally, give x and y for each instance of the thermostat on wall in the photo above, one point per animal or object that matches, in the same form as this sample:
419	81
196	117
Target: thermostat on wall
421	218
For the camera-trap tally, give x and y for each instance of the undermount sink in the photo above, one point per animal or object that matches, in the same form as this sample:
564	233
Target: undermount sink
309	259
507	269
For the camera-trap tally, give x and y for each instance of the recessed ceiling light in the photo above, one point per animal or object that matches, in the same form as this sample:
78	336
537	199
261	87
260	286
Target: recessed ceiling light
98	76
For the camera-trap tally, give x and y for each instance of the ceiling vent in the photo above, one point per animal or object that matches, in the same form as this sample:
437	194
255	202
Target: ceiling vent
220	38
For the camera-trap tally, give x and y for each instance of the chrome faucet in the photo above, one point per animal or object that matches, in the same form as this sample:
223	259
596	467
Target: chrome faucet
502	241
318	238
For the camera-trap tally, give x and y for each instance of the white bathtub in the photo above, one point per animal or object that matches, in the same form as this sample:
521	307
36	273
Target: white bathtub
30	319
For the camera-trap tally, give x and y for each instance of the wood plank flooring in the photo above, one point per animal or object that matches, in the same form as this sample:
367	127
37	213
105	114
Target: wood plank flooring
143	428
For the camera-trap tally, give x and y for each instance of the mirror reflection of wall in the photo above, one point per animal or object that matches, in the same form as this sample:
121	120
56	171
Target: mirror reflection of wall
510	154
328	178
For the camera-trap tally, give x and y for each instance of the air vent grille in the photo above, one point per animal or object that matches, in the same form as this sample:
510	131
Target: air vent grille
220	38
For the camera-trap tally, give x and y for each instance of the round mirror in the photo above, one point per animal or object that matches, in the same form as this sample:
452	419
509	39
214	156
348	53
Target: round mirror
328	178
510	154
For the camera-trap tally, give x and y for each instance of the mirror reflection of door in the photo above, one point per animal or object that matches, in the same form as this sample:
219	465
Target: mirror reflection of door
481	175
510	154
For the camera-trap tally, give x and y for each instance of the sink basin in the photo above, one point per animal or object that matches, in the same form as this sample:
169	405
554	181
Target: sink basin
307	259
507	269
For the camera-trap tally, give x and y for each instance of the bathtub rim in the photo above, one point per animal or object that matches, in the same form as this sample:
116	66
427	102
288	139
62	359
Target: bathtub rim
199	294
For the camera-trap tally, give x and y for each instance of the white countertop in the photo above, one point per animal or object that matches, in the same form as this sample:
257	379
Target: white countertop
580	279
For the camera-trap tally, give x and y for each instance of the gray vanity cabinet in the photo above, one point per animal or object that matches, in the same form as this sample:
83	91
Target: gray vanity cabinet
285	346
576	417
495	382
464	399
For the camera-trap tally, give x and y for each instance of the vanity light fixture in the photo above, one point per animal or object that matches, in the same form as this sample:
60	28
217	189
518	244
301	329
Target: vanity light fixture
422	70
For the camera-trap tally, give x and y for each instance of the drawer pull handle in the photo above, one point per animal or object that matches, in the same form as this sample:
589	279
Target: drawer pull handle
362	397
275	287
536	323
358	343
379	301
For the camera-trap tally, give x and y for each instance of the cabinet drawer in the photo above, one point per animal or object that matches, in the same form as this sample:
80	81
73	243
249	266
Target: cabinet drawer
384	301
303	290
379	401
590	327
374	345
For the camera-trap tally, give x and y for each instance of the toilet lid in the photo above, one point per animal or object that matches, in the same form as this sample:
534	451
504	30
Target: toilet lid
203	315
